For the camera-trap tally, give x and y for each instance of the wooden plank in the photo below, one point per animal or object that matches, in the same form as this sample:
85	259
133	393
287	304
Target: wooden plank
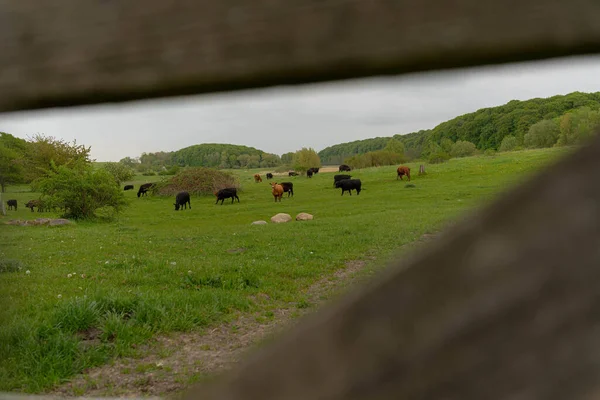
73	52
506	305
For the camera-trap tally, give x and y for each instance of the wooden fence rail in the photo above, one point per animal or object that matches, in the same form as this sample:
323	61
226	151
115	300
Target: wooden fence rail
506	304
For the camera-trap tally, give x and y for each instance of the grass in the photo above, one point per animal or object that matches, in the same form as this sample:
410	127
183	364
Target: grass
94	290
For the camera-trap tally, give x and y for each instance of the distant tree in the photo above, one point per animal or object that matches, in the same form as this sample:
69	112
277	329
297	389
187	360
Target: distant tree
462	148
287	158
542	134
254	161
119	171
446	145
306	158
129	162
509	143
577	126
81	190
394	146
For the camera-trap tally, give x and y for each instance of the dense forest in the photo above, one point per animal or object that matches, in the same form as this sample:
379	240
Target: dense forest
487	128
212	155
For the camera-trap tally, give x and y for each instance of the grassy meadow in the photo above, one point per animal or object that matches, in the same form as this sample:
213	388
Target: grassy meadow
77	296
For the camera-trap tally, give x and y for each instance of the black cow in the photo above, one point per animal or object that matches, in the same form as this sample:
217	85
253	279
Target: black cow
225	194
269	175
338	178
288	187
128	187
143	189
182	200
348	185
309	173
344	167
35	203
314	170
11	204
292	173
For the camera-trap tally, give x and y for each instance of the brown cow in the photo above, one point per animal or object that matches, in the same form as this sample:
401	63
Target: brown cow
403	171
277	191
257	178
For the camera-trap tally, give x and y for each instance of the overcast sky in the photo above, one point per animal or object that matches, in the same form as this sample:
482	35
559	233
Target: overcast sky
283	119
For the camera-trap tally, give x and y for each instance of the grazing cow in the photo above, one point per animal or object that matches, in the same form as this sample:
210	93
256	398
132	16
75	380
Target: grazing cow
35	203
143	189
182	200
314	170
292	173
11	204
344	167
338	178
225	194
277	191
309	173
257	178
269	175
128	187
403	171
288	187
348	185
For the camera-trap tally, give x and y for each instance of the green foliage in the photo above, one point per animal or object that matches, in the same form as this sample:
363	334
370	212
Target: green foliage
338	153
44	152
130	162
172	170
119	171
214	155
462	148
375	159
12	151
287	158
509	143
542	134
486	128
306	158
394	146
81	191
489	152
578	125
438	157
198	181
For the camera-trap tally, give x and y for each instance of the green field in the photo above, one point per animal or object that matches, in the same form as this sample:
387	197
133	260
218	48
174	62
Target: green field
155	270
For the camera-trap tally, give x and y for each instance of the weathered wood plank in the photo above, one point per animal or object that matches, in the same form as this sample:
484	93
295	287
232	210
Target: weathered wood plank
506	305
70	52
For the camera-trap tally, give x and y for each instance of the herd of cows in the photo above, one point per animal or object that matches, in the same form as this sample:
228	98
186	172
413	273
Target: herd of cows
182	199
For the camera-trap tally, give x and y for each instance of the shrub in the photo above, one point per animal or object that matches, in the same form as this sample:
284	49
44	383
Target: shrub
173	170
542	134
196	181
149	173
439	157
80	191
463	148
489	152
119	171
509	143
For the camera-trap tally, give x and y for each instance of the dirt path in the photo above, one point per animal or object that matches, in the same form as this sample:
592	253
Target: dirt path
171	363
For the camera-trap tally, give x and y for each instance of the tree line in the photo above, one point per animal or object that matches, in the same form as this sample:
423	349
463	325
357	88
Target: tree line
569	119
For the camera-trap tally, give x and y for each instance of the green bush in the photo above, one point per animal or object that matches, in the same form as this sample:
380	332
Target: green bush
542	134
439	157
119	171
489	152
81	191
509	143
463	148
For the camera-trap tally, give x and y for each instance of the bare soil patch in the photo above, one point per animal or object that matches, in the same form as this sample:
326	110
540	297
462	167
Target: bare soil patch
169	364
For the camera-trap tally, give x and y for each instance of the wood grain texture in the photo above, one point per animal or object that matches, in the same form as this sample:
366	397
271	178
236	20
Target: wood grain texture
504	306
72	52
